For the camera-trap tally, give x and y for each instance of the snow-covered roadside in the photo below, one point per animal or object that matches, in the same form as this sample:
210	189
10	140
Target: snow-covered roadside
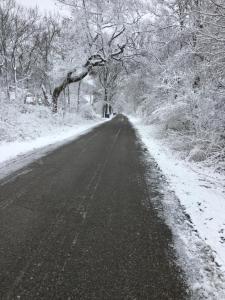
202	196
14	155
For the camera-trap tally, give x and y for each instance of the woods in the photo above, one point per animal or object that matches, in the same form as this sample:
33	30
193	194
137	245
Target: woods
162	60
181	76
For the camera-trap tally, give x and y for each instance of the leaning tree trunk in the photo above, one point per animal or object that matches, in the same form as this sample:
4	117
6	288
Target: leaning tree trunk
95	60
57	91
68	80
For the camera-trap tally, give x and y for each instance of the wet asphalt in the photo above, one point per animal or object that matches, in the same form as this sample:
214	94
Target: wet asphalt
79	224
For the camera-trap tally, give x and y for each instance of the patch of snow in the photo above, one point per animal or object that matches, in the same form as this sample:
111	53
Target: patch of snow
30	99
201	194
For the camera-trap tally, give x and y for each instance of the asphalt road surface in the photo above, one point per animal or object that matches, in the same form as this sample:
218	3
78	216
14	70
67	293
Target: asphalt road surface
73	225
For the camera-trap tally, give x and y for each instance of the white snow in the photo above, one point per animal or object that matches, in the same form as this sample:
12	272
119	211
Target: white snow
200	192
14	155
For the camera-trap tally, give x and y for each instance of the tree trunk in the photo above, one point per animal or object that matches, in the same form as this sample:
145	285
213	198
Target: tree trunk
69	79
64	103
78	96
68	96
106	95
95	60
55	97
46	102
15	78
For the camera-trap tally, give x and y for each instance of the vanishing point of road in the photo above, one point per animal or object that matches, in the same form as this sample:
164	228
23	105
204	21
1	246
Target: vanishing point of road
74	225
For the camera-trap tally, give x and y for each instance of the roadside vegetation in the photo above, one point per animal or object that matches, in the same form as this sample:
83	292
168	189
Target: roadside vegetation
162	60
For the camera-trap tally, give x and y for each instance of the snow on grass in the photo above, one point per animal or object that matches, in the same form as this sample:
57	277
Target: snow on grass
9	150
201	194
16	154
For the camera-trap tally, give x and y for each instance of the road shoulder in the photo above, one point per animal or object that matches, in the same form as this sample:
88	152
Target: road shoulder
194	239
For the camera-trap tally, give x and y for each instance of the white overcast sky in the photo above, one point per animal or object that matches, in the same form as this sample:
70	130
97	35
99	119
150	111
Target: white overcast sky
44	5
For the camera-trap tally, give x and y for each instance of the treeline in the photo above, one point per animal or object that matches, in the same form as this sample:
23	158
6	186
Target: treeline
163	59
180	76
28	44
44	55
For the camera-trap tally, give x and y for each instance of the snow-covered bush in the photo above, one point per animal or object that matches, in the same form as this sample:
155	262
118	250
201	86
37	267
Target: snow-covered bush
183	77
197	155
87	112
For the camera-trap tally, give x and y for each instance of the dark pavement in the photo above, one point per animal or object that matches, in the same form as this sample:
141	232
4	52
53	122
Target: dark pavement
73	225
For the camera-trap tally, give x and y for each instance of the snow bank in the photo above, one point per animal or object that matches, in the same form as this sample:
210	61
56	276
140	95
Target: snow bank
12	149
200	192
16	154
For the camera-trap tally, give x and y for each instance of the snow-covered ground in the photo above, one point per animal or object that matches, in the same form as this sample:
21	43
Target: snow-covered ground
200	194
16	154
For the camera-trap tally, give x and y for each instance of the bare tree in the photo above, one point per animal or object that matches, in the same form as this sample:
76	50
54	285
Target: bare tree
107	36
108	78
77	75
